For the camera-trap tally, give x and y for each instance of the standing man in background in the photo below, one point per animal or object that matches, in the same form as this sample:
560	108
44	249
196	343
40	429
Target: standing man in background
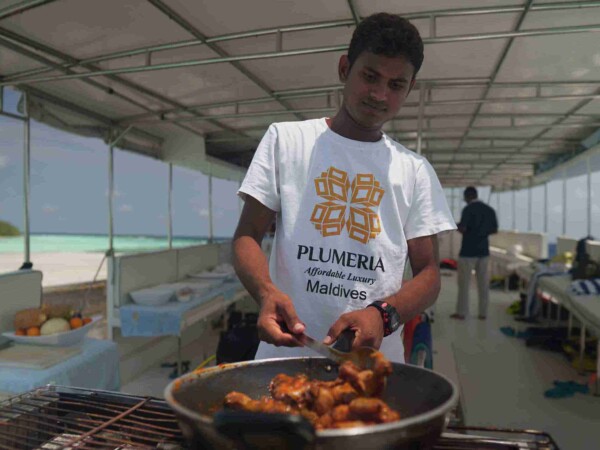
477	222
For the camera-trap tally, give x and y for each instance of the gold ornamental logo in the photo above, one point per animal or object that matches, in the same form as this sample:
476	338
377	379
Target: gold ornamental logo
349	204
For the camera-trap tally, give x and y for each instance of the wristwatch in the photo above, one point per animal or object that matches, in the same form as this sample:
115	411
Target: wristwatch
389	315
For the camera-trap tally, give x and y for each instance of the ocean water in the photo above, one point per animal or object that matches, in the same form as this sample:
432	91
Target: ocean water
58	243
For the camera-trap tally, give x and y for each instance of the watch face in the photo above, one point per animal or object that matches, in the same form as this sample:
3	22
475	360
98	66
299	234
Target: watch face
394	318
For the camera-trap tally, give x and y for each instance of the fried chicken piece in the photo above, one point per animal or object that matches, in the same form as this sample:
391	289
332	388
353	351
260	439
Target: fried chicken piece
370	382
324	401
372	410
344	393
291	390
340	413
237	400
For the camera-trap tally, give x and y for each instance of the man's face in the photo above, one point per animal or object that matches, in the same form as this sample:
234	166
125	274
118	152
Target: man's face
375	87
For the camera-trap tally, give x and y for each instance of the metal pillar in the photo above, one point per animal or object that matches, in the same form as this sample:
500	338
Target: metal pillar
170	208
545	207
514	208
210	207
529	204
111	188
564	203
589	197
27	264
453	202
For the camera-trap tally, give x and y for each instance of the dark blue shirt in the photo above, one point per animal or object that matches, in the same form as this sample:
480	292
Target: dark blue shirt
478	221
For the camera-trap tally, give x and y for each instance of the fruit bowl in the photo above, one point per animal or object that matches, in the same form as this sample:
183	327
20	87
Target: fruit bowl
64	339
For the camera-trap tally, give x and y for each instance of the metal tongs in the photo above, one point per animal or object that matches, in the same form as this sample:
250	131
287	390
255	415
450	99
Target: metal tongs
341	350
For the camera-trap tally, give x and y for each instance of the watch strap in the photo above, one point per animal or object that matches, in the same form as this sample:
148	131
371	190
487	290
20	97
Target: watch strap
385	310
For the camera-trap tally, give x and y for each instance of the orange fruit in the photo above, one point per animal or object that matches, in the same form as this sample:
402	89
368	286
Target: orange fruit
87	320
33	331
21	332
76	322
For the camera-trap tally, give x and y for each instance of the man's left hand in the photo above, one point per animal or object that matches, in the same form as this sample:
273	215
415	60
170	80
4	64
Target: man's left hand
366	323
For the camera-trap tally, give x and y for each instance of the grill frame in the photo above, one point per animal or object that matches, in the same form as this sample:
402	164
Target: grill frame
103	419
86	419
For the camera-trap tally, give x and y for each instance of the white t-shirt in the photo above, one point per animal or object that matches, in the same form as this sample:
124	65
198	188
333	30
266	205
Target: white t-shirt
345	210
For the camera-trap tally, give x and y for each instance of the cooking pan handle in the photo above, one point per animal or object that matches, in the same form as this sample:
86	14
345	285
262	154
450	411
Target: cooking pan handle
252	430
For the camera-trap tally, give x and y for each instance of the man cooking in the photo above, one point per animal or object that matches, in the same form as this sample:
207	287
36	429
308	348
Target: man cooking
351	206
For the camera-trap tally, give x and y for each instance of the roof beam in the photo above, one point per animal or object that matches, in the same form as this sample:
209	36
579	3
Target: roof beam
151	117
325	91
179	20
546	129
63	56
354	13
497	67
305	51
21	7
322	25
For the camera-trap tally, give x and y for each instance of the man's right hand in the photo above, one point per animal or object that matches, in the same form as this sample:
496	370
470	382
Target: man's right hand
278	321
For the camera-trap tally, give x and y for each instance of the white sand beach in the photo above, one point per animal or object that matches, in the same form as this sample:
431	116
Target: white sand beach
59	268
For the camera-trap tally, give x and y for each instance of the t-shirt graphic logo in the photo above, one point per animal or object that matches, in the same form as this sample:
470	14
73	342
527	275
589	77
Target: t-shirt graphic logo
348	205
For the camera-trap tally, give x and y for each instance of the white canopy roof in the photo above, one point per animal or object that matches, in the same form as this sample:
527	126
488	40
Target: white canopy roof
506	84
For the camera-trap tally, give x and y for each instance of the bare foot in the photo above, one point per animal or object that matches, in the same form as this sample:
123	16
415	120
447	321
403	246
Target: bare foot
457	316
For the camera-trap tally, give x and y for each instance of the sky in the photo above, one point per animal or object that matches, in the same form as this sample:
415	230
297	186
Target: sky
69	187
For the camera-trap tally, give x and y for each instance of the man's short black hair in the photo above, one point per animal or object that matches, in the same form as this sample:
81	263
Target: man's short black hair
388	35
470	192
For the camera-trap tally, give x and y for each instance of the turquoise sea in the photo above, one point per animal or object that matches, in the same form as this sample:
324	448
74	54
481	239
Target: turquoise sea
55	243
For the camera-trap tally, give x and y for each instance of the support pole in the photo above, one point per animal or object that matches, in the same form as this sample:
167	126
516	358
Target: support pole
529	204
453	200
210	208
545	207
111	189
564	204
589	197
170	208
514	208
27	264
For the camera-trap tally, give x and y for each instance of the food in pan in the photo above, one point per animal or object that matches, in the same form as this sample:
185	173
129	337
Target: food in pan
351	400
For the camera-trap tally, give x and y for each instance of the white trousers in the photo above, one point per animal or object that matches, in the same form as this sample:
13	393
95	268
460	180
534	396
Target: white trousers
465	268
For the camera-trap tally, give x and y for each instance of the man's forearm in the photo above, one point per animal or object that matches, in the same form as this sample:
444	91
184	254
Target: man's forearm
418	294
251	267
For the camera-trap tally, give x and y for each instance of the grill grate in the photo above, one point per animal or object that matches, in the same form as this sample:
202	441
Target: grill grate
485	438
57	417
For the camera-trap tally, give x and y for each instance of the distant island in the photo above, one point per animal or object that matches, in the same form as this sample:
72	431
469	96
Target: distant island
6	229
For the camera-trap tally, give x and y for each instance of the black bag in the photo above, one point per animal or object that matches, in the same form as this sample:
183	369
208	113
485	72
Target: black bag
240	341
583	267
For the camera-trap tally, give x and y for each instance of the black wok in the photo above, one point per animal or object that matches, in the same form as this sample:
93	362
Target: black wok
422	397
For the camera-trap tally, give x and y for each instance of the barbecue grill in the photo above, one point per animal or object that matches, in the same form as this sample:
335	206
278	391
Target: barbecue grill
59	417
